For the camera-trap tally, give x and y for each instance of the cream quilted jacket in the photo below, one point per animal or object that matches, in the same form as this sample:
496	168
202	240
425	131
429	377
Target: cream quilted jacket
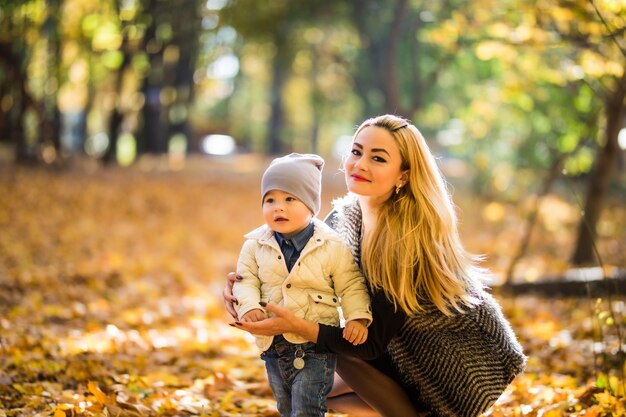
324	277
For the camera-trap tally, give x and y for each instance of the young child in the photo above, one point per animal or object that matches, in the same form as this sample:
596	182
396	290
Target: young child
297	261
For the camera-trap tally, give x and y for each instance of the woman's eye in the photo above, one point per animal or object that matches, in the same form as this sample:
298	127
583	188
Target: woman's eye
356	152
379	159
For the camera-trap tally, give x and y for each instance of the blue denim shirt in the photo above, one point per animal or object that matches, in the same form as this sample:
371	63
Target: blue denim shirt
292	247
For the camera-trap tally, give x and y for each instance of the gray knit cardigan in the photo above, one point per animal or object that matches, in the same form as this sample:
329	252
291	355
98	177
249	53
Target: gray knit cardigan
460	365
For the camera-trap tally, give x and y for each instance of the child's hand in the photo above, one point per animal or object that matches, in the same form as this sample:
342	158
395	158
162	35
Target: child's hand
254	315
355	331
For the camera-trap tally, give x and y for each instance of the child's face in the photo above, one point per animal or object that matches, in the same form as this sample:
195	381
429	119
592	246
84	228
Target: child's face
285	213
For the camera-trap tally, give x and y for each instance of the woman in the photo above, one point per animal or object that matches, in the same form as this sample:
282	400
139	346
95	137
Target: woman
438	340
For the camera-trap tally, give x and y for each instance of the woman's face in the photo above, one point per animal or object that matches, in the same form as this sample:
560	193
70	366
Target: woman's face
372	168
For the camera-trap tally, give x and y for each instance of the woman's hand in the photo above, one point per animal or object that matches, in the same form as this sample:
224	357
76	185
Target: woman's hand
227	293
281	320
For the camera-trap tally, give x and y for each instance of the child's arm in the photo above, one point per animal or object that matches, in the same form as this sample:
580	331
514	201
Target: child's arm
248	290
355	331
254	315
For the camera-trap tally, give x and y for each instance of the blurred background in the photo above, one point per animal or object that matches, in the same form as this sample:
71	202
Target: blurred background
517	98
133	134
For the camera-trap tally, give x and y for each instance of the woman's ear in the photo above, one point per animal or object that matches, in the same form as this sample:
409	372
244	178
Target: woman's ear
404	177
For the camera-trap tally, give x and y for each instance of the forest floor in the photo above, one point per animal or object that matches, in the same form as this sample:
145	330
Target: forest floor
110	304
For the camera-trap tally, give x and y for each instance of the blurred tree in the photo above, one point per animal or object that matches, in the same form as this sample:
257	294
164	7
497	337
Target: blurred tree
387	62
594	32
51	121
170	43
279	23
152	134
543	83
603	39
30	118
117	113
15	96
182	59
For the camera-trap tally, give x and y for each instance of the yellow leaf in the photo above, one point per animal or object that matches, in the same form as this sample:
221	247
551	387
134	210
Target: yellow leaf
552	413
163	377
617	386
61	408
593	411
605	399
93	388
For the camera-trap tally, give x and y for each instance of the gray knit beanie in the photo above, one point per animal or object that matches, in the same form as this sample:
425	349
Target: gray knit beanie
296	174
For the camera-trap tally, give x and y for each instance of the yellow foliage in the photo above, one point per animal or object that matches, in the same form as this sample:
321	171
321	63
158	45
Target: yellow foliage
487	50
119	311
494	212
93	389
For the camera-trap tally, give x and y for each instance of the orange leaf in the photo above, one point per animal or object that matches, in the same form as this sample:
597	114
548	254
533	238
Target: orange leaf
93	388
605	399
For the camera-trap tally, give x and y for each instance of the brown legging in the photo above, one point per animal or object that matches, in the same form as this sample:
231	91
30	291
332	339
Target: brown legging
362	390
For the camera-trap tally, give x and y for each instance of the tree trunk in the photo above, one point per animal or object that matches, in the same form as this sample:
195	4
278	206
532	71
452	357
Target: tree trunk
316	102
115	121
368	79
186	41
151	137
51	124
381	77
24	153
601	176
390	74
280	70
559	287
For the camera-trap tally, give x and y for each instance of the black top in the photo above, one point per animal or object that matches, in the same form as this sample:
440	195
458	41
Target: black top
386	322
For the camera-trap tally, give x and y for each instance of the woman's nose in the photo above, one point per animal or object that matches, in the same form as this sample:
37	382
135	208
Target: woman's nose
360	164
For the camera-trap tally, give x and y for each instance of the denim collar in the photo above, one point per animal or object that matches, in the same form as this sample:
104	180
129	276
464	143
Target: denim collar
300	240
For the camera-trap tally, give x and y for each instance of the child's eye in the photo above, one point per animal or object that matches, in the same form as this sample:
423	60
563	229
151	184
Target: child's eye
291	199
268	200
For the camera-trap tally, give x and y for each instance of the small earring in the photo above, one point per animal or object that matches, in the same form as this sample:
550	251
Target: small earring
398	187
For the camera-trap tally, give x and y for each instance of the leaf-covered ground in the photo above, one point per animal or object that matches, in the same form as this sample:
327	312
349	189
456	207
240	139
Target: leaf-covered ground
110	306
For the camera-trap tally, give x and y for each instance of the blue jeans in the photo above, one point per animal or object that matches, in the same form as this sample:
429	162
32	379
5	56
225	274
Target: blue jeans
299	392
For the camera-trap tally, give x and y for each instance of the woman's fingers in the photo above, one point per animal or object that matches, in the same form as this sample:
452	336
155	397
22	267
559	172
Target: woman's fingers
227	293
272	308
261	328
280	321
228	303
232	278
277	311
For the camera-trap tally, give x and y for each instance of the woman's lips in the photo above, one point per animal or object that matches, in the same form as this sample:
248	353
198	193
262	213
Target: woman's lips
359	178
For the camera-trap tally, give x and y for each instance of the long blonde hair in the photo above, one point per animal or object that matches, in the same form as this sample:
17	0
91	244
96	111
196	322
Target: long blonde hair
415	253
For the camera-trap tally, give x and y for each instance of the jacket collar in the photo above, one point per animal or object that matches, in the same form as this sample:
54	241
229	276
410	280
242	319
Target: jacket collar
322	231
300	240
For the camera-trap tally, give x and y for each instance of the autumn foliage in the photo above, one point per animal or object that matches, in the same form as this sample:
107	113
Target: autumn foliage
110	303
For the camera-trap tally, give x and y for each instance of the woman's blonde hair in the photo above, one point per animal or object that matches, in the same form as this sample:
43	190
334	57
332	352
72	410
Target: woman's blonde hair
415	253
